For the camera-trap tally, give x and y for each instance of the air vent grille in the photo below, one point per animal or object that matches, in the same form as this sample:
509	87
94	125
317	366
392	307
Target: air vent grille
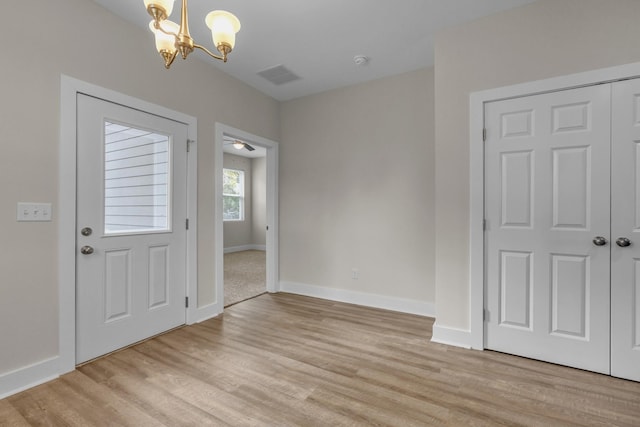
278	75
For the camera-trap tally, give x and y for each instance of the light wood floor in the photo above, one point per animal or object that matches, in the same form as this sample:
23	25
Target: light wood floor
280	360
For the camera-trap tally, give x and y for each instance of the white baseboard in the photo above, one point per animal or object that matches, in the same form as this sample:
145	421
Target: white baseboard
360	298
29	376
451	336
245	248
200	314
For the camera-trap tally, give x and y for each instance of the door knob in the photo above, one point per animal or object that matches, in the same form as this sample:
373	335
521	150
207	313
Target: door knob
86	250
599	241
623	242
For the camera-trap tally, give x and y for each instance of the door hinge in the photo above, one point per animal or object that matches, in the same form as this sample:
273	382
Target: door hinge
484	225
267	228
485	315
189	142
484	134
187	223
186	302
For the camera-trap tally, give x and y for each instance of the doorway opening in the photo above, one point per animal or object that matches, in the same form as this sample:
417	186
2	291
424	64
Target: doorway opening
246	215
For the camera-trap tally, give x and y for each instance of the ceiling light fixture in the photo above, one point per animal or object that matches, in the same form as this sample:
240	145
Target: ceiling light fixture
172	38
361	60
238	145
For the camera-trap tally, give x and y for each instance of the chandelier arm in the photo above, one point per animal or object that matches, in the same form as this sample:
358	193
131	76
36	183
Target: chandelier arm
208	52
169	33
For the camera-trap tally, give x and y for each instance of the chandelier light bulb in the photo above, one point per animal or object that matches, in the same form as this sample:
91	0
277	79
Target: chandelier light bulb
165	42
162	5
223	26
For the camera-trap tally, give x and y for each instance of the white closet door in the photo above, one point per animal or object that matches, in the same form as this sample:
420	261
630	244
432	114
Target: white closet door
546	199
625	215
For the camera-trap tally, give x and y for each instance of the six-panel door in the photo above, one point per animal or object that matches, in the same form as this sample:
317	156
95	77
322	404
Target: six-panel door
625	224
546	199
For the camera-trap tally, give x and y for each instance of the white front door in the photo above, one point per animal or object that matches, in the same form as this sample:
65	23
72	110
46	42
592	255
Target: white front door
547	189
131	233
625	216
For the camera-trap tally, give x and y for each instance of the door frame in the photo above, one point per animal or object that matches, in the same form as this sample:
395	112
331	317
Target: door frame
475	336
69	88
272	242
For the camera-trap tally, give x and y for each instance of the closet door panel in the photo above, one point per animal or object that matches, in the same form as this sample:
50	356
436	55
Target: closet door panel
625	224
547	196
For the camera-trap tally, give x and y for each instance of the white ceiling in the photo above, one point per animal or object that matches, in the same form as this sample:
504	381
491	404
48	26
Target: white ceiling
318	39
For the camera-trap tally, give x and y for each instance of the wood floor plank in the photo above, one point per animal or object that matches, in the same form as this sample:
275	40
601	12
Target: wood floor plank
9	416
233	369
287	360
41	406
156	401
98	405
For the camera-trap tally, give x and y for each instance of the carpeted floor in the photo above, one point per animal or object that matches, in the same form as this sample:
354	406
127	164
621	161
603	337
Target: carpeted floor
245	275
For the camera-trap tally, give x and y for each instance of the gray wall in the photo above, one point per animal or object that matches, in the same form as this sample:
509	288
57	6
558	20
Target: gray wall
544	39
357	188
93	45
251	231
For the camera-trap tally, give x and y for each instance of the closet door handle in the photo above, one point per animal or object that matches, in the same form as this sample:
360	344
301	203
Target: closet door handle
623	242
599	241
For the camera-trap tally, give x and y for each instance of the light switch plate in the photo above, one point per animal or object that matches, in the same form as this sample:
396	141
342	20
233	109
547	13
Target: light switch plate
34	212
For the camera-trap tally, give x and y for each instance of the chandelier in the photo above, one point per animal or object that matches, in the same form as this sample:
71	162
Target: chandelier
173	39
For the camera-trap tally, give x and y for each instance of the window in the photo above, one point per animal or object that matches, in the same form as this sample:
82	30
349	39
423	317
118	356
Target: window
233	195
136	181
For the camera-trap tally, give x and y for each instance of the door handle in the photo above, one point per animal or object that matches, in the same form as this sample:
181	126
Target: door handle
599	241
86	250
623	242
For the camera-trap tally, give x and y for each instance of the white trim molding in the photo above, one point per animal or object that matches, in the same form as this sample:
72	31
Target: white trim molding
401	305
477	101
206	312
69	88
29	376
451	336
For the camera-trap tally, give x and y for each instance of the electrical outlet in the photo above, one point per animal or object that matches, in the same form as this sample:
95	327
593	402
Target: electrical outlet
355	274
33	212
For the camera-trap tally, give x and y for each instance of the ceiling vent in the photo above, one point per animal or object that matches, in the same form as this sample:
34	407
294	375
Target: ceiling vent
278	75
